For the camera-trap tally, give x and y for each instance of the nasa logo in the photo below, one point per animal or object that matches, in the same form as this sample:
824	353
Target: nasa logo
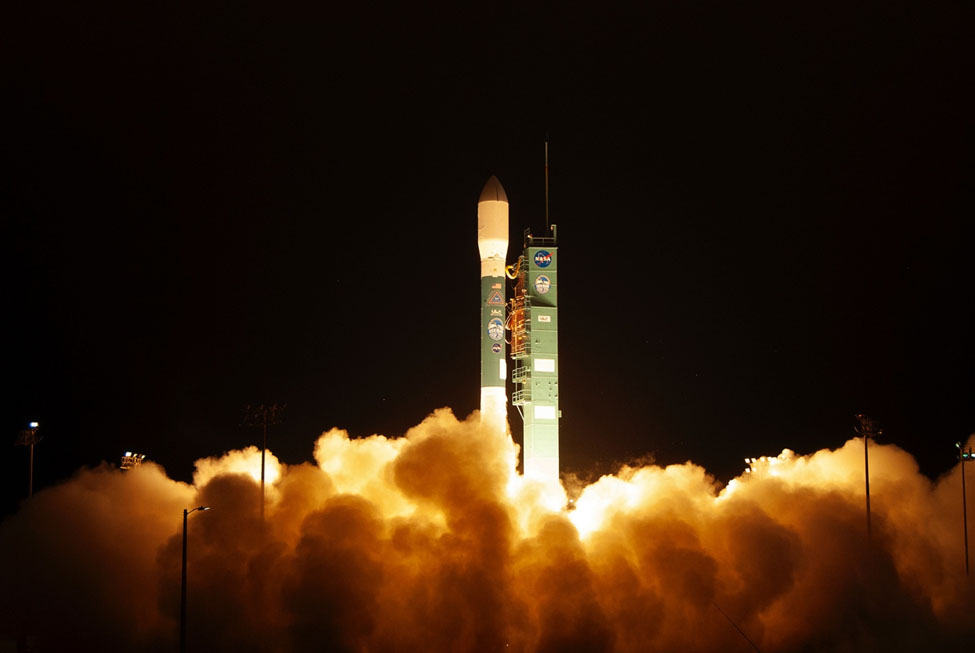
496	348
543	259
542	284
495	329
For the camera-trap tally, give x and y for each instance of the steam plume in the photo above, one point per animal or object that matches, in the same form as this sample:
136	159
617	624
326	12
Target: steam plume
432	542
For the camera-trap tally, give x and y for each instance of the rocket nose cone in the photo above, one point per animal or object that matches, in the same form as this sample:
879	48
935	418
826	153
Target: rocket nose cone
492	191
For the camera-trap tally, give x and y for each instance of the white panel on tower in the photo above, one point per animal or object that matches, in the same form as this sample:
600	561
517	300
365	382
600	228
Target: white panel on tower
544	412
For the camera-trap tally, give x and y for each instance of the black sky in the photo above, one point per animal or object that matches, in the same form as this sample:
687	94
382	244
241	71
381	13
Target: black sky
760	207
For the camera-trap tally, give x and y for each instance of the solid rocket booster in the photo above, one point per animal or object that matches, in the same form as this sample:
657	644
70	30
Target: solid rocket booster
492	243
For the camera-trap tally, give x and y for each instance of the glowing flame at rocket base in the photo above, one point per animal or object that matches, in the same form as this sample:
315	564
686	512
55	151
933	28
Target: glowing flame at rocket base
492	243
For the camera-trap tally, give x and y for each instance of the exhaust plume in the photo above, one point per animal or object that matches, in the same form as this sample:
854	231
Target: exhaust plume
431	541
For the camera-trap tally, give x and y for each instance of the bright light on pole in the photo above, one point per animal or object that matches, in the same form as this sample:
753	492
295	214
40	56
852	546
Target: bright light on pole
130	460
868	428
263	416
964	455
766	465
182	593
28	438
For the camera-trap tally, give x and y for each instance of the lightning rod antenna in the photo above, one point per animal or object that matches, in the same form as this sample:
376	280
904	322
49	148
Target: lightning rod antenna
547	229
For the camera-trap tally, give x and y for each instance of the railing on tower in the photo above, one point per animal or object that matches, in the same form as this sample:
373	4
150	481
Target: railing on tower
540	241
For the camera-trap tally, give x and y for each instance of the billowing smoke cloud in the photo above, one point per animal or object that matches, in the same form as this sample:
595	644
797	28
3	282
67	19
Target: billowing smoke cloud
431	542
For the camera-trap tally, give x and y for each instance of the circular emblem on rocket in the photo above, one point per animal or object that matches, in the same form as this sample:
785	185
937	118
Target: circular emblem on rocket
542	284
496	348
495	329
543	259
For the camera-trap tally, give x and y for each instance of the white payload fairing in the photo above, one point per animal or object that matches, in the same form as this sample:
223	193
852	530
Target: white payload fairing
492	243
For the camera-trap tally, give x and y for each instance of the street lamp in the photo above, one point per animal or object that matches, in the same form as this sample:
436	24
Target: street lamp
868	428
28	438
182	594
964	455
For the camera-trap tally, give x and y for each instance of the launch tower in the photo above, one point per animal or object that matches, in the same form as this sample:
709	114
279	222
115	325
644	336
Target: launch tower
534	324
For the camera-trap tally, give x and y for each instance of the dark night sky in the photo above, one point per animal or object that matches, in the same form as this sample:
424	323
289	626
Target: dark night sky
760	212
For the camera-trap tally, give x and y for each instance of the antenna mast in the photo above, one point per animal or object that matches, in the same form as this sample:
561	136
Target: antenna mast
547	229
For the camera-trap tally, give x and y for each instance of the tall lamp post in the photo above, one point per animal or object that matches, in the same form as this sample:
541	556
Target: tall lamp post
182	592
28	438
263	416
964	455
868	428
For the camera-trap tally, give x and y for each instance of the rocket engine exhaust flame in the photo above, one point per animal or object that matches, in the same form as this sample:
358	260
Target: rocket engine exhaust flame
431	541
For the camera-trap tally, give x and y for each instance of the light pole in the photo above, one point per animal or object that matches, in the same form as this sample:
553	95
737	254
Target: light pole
964	455
182	592
868	429
28	438
263	416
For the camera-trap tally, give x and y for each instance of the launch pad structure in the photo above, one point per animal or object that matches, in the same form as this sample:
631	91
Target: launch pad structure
534	322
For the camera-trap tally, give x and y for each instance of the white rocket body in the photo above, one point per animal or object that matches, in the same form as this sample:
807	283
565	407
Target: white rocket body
492	235
492	244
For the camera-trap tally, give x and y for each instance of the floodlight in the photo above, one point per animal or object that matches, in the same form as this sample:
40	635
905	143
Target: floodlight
130	460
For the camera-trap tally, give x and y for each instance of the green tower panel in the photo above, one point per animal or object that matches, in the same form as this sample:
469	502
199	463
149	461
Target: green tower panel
535	349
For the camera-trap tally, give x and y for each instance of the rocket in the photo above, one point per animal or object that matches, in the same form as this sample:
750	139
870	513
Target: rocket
492	244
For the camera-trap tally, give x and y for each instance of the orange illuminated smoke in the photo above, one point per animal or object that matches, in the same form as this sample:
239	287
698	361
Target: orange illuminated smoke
432	542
